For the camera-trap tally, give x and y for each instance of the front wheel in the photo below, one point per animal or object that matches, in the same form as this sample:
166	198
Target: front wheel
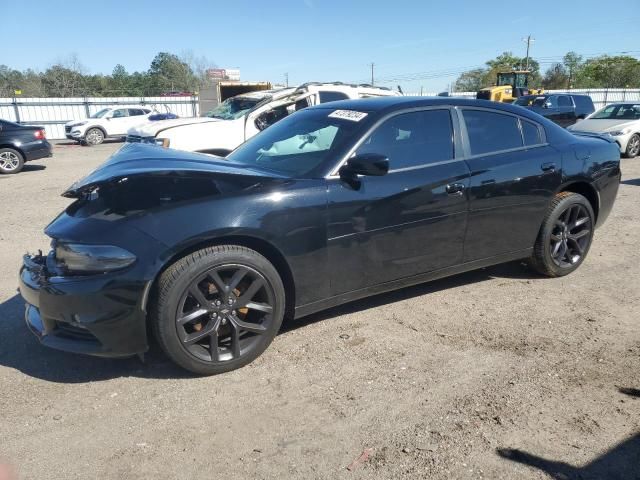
94	136
218	309
565	235
633	146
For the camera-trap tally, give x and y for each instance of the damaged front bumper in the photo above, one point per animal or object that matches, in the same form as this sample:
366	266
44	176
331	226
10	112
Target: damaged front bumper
97	315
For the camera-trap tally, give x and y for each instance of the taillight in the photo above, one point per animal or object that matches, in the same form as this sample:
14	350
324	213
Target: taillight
40	134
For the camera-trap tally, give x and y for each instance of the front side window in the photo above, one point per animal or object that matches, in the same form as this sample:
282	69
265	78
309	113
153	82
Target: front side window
300	143
412	139
491	132
121	112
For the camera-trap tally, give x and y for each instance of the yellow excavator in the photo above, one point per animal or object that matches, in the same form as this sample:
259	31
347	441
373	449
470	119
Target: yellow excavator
509	86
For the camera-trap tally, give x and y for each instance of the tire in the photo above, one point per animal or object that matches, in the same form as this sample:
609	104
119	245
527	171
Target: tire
565	235
11	161
217	309
633	146
93	136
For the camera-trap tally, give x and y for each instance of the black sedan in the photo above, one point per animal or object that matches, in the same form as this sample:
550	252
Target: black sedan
331	204
20	144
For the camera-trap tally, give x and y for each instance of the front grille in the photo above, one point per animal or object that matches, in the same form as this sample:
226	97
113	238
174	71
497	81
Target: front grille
67	129
134	139
72	332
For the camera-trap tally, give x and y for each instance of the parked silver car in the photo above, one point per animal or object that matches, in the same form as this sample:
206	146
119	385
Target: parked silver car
621	121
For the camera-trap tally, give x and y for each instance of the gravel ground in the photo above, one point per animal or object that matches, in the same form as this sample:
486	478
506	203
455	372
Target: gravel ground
497	373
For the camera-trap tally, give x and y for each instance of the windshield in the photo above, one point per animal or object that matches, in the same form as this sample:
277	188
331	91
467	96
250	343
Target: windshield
302	142
531	101
621	111
233	108
101	113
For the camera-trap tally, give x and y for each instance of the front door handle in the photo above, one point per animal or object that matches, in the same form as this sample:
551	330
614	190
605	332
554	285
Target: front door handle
548	167
455	189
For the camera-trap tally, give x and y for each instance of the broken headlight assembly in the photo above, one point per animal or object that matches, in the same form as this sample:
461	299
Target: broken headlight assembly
81	259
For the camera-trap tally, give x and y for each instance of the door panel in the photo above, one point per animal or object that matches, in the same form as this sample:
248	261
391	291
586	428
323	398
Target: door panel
508	197
397	225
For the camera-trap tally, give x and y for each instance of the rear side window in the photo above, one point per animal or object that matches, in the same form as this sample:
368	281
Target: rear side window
332	96
564	101
491	132
530	133
584	103
135	111
413	139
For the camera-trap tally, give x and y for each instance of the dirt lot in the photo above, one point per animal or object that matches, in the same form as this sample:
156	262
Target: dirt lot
440	381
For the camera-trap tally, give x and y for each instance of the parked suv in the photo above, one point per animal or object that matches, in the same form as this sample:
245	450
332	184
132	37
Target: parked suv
108	122
241	117
562	108
19	144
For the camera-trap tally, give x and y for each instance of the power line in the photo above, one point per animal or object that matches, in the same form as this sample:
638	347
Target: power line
433	74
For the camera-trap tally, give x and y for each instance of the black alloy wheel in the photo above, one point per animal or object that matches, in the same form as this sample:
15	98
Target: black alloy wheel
223	313
571	236
217	309
565	235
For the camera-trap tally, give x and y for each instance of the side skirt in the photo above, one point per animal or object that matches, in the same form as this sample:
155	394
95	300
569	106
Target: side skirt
309	308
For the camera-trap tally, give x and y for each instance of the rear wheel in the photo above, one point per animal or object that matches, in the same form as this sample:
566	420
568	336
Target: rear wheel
633	146
218	309
94	136
11	160
565	235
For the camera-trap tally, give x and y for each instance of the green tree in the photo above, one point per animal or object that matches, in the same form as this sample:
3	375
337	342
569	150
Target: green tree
471	81
168	72
609	72
555	77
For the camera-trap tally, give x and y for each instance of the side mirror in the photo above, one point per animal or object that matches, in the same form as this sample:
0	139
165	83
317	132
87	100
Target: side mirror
263	120
368	164
546	105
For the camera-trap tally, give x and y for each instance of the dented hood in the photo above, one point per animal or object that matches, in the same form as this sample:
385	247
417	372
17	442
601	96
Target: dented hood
135	159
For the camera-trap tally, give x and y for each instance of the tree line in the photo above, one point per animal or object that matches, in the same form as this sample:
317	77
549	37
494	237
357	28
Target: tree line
621	71
69	78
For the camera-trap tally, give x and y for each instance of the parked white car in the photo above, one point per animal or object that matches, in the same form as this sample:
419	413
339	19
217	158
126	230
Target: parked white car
108	122
621	121
241	117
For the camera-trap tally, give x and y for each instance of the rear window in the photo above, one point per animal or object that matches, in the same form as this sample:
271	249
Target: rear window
491	132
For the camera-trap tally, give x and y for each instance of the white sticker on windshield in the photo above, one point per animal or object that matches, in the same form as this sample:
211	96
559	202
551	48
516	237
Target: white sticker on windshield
348	115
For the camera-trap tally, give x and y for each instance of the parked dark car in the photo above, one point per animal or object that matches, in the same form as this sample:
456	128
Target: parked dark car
20	144
562	108
333	203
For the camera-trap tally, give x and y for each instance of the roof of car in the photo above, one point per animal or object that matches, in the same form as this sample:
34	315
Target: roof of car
380	104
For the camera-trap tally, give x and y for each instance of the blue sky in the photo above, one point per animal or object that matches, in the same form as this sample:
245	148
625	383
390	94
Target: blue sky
417	40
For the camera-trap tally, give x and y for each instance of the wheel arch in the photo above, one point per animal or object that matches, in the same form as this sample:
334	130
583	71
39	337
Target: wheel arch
263	247
585	189
13	147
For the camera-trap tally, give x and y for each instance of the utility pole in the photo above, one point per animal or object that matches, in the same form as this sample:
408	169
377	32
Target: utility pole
529	41
372	65
286	79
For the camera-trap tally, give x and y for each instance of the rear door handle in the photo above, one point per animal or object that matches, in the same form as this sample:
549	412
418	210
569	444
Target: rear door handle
548	167
455	189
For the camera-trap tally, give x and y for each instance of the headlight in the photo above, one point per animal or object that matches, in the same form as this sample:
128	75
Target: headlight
79	258
616	133
163	142
79	124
